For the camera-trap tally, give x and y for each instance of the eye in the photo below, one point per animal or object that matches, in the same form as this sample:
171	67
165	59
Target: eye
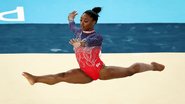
86	21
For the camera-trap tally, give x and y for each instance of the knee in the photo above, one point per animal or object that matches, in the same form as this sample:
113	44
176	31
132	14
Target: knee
135	67
61	75
55	78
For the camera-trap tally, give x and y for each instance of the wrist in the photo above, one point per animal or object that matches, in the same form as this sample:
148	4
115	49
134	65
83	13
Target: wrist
70	19
82	44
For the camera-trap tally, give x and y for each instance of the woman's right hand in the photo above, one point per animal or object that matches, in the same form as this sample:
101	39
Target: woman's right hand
72	15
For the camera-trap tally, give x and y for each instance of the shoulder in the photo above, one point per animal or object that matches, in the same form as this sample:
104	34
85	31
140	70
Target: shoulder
98	35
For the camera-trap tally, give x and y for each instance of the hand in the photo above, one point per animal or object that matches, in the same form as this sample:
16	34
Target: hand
72	15
83	43
75	43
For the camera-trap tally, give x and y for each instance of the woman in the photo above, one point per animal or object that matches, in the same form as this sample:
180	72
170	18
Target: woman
87	46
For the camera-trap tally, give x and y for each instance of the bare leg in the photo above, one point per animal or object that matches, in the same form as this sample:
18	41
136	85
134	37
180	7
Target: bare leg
111	72
75	76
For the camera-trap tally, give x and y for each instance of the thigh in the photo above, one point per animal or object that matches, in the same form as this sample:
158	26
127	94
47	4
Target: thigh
111	72
76	76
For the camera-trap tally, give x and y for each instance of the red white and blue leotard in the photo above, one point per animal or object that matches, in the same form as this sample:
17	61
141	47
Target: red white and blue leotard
88	56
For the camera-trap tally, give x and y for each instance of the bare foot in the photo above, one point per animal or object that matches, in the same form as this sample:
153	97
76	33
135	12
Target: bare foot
29	77
157	66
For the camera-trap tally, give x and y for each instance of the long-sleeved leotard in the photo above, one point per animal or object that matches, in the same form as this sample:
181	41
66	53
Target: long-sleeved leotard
88	56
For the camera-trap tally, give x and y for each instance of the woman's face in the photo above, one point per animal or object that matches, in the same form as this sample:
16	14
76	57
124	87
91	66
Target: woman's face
87	23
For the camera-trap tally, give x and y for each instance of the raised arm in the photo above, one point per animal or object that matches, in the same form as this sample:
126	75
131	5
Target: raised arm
72	26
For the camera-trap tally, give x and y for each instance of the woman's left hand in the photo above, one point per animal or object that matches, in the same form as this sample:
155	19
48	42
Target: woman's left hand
75	43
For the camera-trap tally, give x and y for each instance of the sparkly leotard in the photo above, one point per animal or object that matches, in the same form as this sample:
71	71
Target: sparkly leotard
88	56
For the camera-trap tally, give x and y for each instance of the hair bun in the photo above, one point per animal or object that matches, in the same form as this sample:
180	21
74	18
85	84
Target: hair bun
96	9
